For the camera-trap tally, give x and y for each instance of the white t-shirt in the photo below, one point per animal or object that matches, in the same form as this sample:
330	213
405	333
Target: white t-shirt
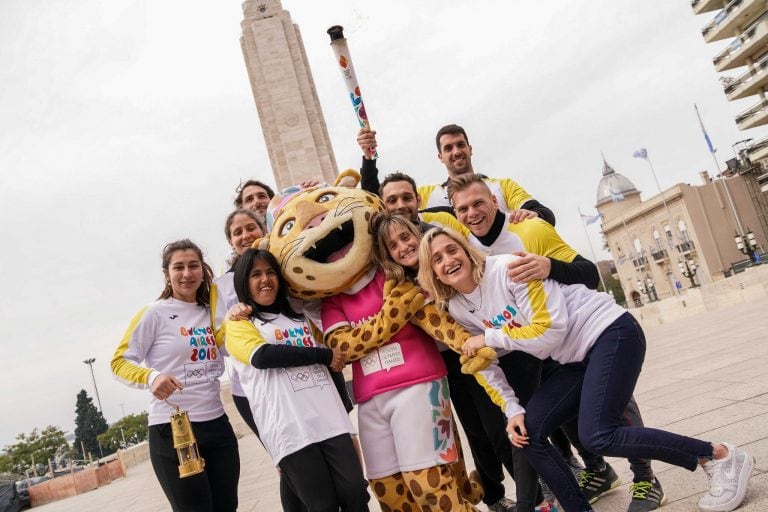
176	338
292	407
543	318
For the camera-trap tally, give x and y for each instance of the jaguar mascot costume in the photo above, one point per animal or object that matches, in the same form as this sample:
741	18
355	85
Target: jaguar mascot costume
413	458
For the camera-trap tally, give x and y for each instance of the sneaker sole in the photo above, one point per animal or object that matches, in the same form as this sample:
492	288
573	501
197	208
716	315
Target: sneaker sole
741	491
613	486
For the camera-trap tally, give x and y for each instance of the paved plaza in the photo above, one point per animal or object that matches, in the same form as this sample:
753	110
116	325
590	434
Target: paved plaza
704	376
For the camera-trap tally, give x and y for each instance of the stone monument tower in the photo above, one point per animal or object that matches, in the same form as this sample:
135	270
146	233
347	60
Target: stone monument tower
289	110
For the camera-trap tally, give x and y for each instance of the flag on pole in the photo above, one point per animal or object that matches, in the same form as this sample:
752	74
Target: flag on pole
590	219
641	153
712	148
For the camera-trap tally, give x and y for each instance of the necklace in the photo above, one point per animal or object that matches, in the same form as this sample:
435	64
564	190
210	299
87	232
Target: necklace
472	307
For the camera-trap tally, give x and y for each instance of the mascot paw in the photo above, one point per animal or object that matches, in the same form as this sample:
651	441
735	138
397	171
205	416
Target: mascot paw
480	361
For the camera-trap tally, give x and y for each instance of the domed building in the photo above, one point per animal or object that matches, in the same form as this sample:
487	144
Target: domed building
680	238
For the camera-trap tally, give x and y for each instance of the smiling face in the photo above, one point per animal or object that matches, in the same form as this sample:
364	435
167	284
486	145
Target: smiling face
451	264
185	272
320	237
243	231
263	283
402	246
456	154
256	199
399	197
476	208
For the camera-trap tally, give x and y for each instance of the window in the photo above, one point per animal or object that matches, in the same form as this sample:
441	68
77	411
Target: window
683	231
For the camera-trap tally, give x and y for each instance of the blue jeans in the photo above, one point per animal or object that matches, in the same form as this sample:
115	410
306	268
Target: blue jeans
597	390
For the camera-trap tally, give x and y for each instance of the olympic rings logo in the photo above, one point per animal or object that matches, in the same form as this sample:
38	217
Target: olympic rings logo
303	376
195	373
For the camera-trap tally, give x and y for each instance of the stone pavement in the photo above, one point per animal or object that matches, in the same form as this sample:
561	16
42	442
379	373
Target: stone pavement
704	376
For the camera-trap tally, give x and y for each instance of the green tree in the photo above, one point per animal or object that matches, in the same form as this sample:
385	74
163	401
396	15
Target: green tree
89	423
132	428
38	445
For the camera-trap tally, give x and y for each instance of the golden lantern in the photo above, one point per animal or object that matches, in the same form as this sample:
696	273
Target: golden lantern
190	461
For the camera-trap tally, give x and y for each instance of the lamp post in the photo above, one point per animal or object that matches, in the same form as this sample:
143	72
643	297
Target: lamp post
688	269
746	243
90	362
641	288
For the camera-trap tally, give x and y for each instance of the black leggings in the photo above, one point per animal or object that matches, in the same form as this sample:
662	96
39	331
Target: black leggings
327	476
213	490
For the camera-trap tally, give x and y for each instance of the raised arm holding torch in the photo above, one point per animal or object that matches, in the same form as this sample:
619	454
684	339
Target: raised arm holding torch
344	60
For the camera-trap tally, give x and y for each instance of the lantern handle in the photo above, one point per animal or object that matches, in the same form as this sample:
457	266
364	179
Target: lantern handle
173	404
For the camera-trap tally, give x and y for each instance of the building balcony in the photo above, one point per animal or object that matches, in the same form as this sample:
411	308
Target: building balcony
758	151
734	17
753	40
702	6
749	83
660	256
685	247
755	116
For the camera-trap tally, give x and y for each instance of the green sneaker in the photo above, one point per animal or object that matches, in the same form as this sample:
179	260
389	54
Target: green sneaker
596	483
646	496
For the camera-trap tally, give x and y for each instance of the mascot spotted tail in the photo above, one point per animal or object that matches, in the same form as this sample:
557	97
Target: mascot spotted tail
412	456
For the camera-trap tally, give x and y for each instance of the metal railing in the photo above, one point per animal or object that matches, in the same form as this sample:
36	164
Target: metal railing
721	16
686	246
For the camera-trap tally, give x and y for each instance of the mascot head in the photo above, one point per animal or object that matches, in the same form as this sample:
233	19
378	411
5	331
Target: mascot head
320	236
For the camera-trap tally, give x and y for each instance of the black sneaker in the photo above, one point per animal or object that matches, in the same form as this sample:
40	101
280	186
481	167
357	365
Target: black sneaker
503	505
646	496
596	483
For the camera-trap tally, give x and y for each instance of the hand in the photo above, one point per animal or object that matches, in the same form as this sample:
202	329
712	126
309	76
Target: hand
164	385
366	139
473	344
528	267
518	436
520	215
339	360
239	312
309	183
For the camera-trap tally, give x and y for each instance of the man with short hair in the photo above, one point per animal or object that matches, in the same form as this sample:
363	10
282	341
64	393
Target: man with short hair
254	195
455	152
548	256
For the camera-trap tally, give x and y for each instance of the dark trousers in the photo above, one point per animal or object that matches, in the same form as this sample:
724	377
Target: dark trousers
484	425
213	490
597	390
327	476
568	434
523	373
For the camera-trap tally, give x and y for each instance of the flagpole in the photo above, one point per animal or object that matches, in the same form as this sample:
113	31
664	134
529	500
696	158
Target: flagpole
661	192
591	248
717	173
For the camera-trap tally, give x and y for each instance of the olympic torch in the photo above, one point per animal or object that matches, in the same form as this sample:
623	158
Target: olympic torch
344	60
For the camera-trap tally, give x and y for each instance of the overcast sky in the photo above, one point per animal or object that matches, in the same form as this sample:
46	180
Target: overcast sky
126	125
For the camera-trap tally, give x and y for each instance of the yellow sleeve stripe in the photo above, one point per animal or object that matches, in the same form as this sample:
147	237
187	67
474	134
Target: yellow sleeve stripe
445	220
424	192
514	194
126	371
540	237
217	329
541	320
242	340
496	397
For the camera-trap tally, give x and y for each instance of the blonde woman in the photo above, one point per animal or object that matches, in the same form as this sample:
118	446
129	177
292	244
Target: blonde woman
601	349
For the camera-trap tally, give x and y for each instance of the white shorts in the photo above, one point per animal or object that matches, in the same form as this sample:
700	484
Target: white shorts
407	429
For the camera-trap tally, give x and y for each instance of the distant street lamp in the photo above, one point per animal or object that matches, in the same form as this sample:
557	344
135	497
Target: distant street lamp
90	362
746	243
651	287
688	269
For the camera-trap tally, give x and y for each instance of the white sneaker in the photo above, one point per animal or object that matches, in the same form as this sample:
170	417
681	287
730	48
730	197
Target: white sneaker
728	479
